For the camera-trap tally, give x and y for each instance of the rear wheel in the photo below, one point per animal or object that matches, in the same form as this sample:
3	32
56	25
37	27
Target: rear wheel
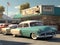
33	36
14	35
4	32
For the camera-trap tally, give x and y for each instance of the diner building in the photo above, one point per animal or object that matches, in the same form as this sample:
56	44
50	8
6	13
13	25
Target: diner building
49	14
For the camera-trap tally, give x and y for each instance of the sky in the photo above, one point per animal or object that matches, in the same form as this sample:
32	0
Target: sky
13	8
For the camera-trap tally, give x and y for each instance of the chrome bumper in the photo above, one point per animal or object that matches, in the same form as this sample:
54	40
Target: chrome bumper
45	36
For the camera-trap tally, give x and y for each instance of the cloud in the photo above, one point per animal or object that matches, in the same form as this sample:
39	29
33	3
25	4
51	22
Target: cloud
17	7
11	14
5	13
58	6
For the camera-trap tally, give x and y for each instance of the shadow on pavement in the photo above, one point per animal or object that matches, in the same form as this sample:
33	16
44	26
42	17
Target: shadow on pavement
54	40
23	37
4	42
50	40
58	32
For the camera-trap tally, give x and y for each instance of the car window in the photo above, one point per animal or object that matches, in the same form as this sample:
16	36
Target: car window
20	25
25	25
13	27
36	24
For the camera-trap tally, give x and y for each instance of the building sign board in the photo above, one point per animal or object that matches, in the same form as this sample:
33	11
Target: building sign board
48	9
33	10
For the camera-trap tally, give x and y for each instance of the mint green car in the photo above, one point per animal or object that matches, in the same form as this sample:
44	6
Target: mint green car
34	29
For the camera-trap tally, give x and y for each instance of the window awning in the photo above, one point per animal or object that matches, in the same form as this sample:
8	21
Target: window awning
17	16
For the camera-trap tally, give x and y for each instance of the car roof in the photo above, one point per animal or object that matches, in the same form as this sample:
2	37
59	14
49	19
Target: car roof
12	25
30	21
2	23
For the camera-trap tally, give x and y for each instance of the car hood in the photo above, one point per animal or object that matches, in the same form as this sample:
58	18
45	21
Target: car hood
45	28
6	28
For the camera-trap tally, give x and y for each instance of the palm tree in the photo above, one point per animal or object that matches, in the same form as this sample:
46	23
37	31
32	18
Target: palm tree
2	9
24	6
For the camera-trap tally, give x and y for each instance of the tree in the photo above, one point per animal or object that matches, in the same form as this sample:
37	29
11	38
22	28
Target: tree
2	9
24	6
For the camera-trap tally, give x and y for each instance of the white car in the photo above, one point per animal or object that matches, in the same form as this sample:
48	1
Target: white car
7	29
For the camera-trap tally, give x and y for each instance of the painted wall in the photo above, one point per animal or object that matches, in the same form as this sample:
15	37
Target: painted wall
57	11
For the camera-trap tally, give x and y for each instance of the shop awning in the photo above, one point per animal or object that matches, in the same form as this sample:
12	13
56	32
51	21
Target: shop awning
17	16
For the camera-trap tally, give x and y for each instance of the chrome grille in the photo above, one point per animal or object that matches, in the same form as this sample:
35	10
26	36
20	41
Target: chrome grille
43	34
48	33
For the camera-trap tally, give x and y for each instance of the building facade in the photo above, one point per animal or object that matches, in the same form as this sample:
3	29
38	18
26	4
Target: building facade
49	14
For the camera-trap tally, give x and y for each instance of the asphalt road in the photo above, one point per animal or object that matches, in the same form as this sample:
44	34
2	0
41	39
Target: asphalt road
10	40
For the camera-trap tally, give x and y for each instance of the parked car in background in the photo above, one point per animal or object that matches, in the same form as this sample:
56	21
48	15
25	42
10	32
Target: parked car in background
34	29
3	25
6	30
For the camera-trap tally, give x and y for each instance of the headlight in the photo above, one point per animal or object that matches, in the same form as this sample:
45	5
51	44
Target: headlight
54	29
39	31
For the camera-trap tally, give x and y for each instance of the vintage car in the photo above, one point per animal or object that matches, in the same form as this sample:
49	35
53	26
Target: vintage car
6	30
34	29
3	25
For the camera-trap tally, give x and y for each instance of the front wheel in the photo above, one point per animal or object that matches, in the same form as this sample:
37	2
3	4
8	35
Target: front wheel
33	36
14	35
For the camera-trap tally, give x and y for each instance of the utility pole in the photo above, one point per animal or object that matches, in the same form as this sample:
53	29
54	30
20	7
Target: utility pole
7	11
7	14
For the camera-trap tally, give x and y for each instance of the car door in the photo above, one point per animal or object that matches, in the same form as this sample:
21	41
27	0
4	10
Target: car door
25	29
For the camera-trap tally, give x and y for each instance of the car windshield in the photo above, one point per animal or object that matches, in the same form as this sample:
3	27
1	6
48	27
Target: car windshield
36	24
13	27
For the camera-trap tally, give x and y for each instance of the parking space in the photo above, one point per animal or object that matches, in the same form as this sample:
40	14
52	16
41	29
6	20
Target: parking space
10	40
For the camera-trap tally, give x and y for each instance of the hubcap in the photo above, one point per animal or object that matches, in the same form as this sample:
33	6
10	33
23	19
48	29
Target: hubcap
14	35
34	36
